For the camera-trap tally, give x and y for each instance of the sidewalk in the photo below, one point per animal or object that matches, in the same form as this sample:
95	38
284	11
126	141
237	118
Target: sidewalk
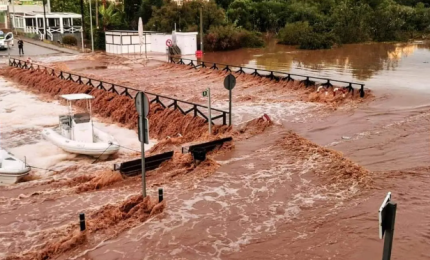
50	46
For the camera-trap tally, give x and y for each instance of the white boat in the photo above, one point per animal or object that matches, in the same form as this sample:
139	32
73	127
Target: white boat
77	134
11	168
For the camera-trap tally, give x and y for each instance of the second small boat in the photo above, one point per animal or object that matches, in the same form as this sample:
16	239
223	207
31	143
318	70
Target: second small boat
77	134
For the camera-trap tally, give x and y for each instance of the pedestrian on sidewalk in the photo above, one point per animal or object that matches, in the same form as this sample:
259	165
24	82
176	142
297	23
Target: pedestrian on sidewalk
21	47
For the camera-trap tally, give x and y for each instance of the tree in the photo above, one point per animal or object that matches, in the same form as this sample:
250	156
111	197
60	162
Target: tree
145	10
110	16
131	11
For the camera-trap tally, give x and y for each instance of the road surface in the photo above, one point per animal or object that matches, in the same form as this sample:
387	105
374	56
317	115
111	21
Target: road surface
29	51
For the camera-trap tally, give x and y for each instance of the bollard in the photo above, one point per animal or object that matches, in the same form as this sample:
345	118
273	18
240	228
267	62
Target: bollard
160	195
82	221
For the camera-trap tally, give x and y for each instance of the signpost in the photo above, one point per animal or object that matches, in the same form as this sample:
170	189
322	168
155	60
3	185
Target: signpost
387	219
140	32
229	84
142	107
207	93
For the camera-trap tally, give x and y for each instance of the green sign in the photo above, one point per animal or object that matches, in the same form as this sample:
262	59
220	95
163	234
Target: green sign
205	93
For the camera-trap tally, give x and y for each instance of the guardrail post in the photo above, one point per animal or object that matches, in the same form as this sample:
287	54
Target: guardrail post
362	91
160	195
82	221
227	68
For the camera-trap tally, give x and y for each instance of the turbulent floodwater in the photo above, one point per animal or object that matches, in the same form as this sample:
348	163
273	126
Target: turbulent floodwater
272	196
26	115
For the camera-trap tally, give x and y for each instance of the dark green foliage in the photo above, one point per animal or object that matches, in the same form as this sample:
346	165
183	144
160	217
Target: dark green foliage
293	33
100	40
309	24
228	37
70	40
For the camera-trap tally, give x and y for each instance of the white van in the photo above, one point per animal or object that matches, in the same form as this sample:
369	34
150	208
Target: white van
3	44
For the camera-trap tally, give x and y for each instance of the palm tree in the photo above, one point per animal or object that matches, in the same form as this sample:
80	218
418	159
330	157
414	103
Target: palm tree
110	16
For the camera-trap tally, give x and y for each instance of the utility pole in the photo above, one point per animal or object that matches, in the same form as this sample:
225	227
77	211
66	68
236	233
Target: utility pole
201	30
82	25
82	15
91	29
13	11
97	14
44	20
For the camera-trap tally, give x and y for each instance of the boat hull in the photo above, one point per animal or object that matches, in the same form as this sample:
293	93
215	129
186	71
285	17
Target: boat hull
11	168
11	178
105	147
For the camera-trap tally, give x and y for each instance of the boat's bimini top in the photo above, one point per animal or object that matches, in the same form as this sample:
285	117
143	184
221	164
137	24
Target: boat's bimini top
77	96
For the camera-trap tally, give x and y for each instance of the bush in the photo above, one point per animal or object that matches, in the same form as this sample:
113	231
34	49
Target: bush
293	32
314	41
222	38
33	36
70	40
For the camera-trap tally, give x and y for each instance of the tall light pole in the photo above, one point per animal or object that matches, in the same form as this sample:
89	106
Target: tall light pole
97	14
91	28
13	21
44	20
201	30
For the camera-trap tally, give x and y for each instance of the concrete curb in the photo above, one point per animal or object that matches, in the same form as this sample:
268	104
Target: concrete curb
48	46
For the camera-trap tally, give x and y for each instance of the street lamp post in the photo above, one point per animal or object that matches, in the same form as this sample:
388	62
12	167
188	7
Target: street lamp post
44	20
91	28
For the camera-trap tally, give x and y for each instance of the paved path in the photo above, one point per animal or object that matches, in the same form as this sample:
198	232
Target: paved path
29	51
50	46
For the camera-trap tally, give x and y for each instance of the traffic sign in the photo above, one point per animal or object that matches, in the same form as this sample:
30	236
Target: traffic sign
169	43
229	82
205	93
382	213
141	102
143	135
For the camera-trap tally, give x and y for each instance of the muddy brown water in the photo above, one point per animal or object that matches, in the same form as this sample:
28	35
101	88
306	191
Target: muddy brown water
263	203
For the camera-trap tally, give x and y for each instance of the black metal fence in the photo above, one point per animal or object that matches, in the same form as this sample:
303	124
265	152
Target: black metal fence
184	107
307	81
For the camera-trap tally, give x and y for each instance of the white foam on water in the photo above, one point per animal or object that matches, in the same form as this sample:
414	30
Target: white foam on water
127	138
296	111
42	154
56	58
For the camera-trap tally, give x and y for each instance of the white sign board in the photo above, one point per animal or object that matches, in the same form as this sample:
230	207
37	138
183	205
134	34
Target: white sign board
384	203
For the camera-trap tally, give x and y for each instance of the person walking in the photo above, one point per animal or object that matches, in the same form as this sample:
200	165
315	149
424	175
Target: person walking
21	47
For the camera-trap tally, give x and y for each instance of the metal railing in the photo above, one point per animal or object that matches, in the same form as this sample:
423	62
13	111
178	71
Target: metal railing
307	81
184	107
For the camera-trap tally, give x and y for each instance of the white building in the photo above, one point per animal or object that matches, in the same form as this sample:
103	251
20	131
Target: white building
128	42
30	19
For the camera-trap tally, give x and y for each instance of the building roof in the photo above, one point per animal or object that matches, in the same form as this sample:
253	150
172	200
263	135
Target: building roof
76	96
48	15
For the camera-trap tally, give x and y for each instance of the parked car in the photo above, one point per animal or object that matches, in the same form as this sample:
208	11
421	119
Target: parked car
3	44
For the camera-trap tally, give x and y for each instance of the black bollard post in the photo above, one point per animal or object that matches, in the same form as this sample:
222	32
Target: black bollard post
160	195
82	221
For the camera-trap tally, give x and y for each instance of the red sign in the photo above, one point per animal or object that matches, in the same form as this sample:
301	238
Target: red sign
169	43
